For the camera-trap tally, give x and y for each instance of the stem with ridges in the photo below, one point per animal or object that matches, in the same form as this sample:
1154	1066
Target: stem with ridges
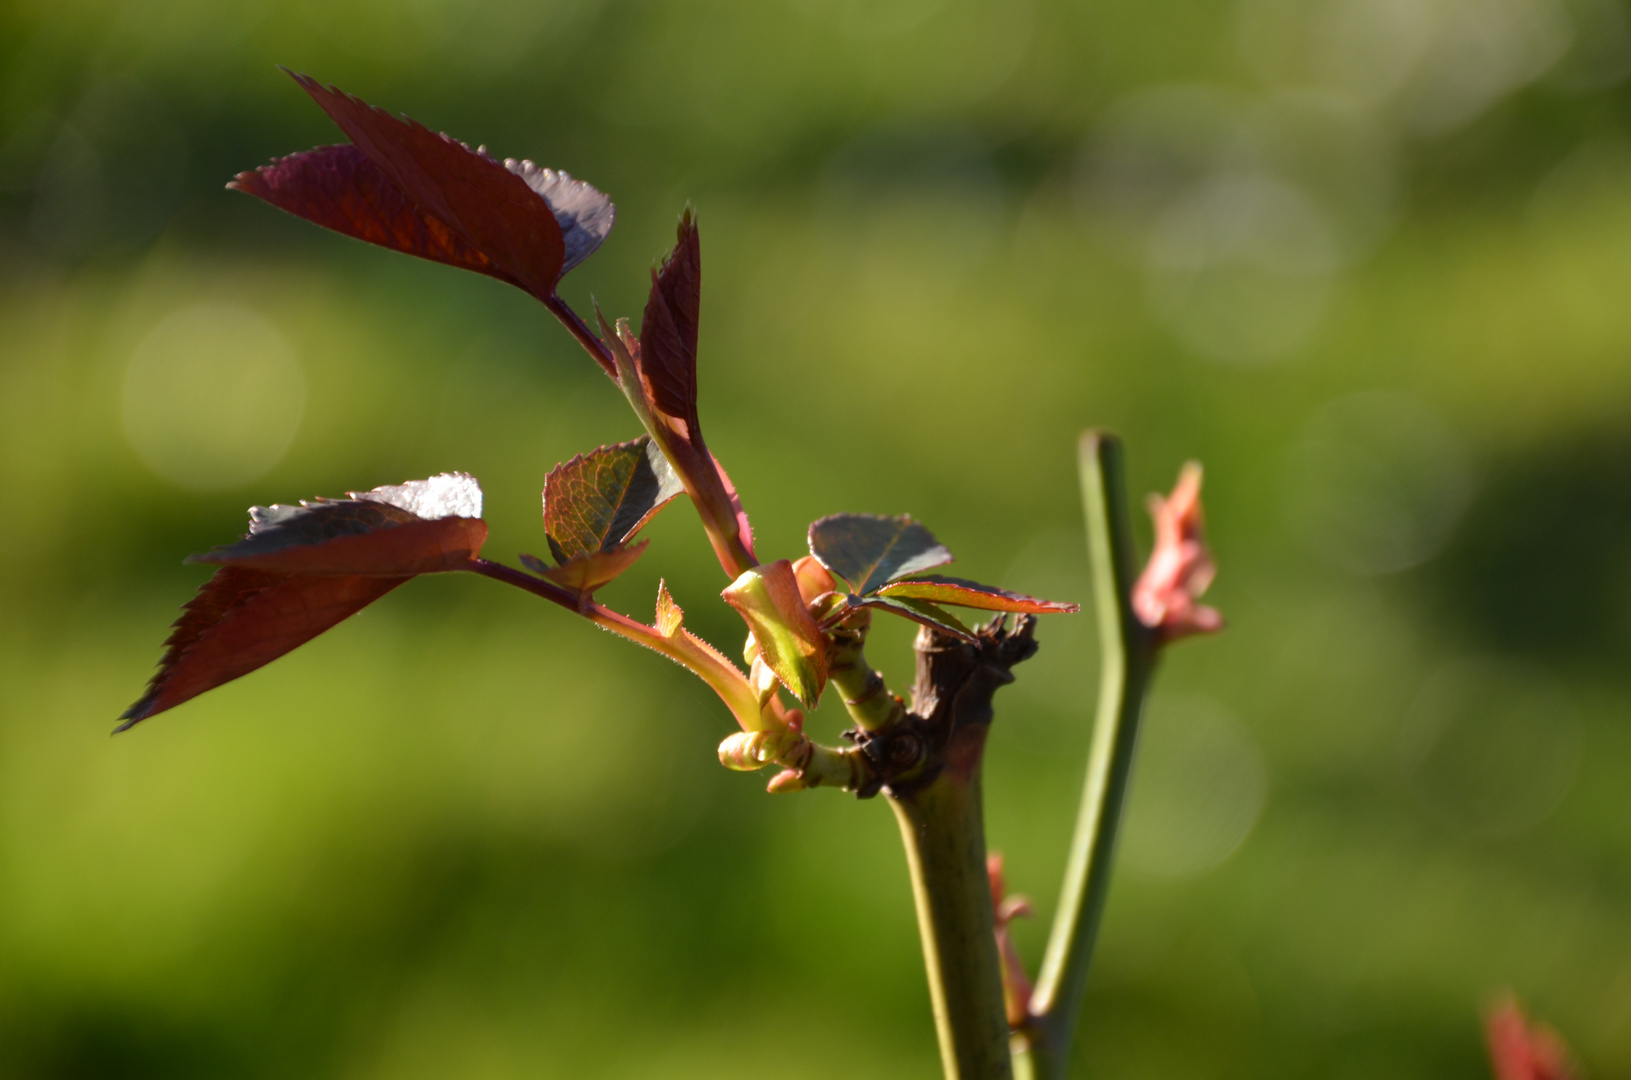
859	686
944	833
1128	651
939	808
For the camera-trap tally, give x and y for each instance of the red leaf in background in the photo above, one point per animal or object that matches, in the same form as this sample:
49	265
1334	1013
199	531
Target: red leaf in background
971	594
486	205
1180	569
339	188
303	569
1520	1050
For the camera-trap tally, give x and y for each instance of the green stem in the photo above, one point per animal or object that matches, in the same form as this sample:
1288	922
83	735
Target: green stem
863	691
1128	650
942	828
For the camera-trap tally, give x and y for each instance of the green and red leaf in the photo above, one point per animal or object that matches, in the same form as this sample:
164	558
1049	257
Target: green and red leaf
593	506
597	501
301	570
971	594
583	574
792	645
869	551
921	612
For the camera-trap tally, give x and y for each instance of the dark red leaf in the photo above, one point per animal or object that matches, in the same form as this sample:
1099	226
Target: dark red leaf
870	551
597	501
658	373
971	594
243	619
486	205
302	569
420	527
668	331
339	188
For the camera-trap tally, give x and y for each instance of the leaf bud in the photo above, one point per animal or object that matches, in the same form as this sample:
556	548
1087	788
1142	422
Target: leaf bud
789	641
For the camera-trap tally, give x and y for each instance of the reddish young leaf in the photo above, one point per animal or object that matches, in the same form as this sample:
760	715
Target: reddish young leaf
303	569
668	331
583	574
971	594
340	188
870	551
921	612
597	501
491	208
1520	1049
657	372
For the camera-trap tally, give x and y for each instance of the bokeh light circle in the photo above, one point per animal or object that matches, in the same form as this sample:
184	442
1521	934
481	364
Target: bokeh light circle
212	397
1490	747
1199	785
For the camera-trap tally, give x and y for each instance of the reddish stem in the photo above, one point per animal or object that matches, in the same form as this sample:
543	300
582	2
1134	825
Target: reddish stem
586	337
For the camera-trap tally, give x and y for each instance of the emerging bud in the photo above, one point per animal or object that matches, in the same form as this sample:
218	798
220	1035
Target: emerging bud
788	639
815	580
1016	984
1180	567
746	751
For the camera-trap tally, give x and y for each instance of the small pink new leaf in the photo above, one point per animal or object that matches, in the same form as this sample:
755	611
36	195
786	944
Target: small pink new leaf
1180	568
658	374
1016	984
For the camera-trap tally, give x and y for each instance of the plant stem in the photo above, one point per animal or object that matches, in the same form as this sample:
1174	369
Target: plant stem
941	821
944	833
592	345
1128	650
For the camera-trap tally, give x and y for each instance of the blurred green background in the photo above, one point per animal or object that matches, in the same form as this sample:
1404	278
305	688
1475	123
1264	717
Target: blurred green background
1367	259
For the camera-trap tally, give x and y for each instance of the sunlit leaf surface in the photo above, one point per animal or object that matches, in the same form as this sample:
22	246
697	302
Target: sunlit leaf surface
971	594
301	570
869	551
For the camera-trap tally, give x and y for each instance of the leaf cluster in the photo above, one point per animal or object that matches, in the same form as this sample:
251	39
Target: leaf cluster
302	569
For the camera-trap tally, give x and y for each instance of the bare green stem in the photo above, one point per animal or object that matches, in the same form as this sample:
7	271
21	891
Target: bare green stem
944	833
1128	651
864	693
